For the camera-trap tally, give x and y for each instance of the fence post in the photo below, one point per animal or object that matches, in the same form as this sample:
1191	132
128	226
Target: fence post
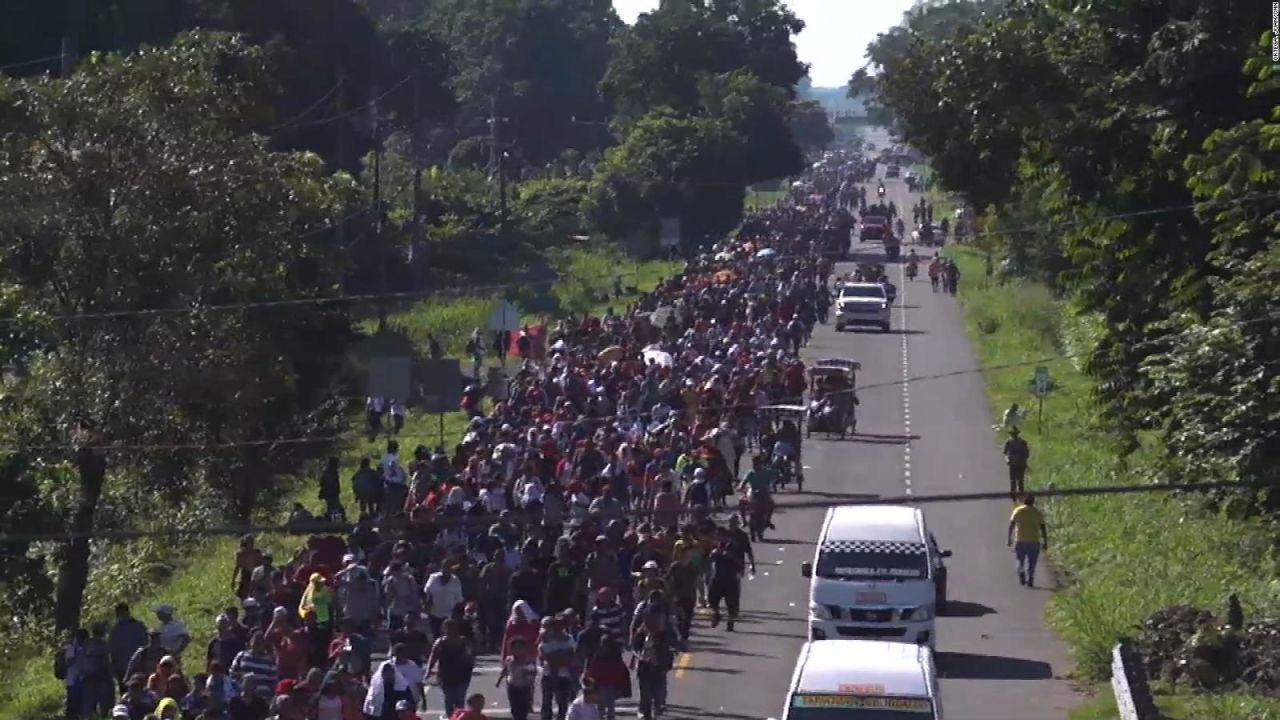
1129	681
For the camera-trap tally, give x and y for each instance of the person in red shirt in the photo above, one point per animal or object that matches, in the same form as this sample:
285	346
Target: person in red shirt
473	711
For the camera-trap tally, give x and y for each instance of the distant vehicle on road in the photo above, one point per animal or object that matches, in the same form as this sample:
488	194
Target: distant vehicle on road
863	680
862	303
873	227
877	573
892	171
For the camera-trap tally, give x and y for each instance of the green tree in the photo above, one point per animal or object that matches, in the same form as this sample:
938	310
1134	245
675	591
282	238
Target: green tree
670	165
1214	378
759	112
663	58
133	188
536	63
810	127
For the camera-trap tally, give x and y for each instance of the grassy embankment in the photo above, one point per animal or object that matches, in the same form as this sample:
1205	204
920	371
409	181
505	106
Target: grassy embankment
1120	557
197	580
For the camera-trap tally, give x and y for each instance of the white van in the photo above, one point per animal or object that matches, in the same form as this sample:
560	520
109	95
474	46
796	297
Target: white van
863	680
877	573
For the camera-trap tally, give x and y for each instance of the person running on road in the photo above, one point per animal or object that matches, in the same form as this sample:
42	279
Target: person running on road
1027	535
935	272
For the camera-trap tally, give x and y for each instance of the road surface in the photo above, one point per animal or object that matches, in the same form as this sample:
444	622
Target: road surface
997	658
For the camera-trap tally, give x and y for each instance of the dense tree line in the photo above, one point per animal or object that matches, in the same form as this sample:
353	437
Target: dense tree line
1138	142
200	154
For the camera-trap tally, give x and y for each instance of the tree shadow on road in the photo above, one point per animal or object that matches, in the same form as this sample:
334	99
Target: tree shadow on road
785	541
762	633
962	609
882	439
837	496
972	666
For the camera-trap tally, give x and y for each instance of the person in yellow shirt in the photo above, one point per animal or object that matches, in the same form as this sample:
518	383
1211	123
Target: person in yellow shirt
1027	536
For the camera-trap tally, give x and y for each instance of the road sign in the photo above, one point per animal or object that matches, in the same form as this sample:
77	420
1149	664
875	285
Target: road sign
1042	381
669	234
504	316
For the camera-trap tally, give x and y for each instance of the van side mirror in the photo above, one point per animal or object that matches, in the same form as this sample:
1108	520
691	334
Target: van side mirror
946	553
806	569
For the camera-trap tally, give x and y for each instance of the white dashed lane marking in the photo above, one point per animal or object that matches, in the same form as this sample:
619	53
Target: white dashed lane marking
906	384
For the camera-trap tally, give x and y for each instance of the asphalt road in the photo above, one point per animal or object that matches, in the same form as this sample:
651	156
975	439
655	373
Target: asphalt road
997	658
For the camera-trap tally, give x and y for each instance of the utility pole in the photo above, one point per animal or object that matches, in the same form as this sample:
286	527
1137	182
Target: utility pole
340	149
417	169
379	250
496	153
67	51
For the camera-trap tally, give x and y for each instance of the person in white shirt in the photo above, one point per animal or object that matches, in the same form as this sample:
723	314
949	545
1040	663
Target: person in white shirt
174	636
585	707
395	481
494	497
443	592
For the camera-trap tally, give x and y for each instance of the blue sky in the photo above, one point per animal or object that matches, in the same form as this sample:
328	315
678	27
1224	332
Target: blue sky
835	40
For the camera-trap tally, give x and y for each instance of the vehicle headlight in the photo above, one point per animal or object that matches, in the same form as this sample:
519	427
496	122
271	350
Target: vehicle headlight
884	306
819	612
920	614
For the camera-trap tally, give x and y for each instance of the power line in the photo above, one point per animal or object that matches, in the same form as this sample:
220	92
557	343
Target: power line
309	108
321	526
342	116
719	408
422	294
34	61
353	298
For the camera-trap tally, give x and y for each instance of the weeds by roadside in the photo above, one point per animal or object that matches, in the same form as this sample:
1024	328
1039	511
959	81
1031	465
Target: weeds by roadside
196	577
1122	556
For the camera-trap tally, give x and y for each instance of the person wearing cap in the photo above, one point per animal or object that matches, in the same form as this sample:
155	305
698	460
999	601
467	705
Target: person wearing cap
174	636
225	644
1017	454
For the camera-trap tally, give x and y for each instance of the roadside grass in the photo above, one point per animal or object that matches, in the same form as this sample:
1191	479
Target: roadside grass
1183	705
196	577
1119	557
757	199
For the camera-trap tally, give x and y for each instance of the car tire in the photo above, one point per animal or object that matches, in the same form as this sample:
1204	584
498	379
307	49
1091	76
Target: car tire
884	327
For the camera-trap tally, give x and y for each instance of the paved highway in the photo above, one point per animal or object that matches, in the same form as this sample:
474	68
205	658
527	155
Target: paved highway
997	658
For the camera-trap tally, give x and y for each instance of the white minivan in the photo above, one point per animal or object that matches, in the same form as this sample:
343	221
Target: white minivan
876	574
863	680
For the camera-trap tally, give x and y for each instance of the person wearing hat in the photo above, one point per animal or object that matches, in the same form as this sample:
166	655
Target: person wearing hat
1016	454
173	633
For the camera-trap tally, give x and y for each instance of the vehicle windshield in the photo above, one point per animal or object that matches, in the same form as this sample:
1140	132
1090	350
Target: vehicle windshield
859	707
872	565
867	291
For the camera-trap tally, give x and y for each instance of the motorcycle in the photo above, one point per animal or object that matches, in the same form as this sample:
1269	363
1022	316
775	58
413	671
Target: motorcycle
912	270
